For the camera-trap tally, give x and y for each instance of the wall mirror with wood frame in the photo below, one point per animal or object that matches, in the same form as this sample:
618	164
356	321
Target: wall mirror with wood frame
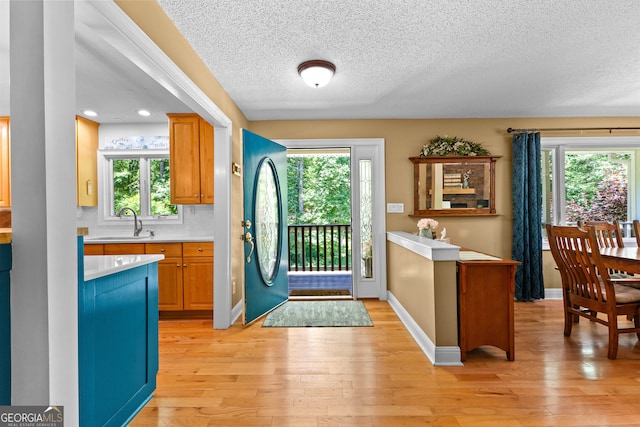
454	185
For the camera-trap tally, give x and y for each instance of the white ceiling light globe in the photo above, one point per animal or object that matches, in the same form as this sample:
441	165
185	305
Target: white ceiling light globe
316	73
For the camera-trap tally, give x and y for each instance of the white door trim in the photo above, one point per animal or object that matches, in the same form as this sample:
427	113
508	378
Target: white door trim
361	148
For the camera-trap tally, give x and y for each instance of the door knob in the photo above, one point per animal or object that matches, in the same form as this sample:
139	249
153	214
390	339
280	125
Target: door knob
248	238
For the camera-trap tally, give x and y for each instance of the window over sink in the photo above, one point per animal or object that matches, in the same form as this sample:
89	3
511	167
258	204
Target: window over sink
138	179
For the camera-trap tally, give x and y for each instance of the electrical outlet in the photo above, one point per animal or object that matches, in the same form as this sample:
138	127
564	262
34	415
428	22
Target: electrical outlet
233	286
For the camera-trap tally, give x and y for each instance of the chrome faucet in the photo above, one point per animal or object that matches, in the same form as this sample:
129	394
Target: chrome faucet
136	228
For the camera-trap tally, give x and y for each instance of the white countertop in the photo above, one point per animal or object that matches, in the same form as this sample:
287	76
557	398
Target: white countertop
428	248
96	266
146	239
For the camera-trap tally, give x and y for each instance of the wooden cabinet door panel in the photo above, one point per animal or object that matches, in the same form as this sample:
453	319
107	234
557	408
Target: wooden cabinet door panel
86	161
198	283
184	156
485	299
206	162
170	292
5	163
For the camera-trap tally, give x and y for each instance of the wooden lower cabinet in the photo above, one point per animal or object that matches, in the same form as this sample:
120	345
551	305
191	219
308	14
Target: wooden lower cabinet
170	283
198	275
198	283
485	299
185	275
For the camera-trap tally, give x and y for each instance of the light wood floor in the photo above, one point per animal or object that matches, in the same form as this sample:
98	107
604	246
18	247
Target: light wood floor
378	376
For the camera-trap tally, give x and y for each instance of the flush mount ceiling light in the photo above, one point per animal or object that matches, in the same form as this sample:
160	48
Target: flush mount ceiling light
90	113
316	73
144	113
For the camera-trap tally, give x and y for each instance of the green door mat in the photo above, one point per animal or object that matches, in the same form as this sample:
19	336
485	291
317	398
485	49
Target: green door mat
293	314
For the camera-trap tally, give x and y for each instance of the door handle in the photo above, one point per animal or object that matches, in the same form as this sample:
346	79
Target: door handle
248	238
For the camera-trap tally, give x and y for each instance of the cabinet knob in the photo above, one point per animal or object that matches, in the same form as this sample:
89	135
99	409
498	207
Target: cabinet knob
195	195
184	265
162	250
199	249
178	265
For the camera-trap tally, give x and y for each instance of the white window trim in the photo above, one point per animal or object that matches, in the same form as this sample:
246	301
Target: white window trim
106	197
558	146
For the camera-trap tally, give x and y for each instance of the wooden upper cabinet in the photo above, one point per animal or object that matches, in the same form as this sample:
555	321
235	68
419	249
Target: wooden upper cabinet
86	161
206	162
5	163
191	158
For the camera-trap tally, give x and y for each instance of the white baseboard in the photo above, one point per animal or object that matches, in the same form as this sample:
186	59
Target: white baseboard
236	312
439	356
553	293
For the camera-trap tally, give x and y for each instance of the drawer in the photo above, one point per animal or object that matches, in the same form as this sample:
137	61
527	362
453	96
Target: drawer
93	249
124	249
166	249
197	249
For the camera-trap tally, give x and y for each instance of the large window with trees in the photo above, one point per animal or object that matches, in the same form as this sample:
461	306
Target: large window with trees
589	179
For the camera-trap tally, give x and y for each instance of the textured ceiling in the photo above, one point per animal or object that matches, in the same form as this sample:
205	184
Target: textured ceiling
421	58
394	59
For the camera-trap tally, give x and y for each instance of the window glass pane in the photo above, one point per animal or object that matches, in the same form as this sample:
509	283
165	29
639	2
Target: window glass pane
159	188
596	186
547	188
366	218
126	184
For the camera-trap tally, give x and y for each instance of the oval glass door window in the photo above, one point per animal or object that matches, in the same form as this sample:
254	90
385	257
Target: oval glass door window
267	220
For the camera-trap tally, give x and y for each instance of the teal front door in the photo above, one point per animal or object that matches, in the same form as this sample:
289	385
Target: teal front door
266	285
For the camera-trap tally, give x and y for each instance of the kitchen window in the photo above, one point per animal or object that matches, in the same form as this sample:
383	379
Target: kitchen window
140	180
590	179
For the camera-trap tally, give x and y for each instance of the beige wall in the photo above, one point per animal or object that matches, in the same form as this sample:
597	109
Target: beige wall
427	291
551	274
403	138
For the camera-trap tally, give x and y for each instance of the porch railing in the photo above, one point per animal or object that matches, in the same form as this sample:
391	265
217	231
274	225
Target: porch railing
314	247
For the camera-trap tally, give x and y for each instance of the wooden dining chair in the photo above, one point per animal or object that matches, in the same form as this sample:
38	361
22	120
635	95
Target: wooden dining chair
636	230
608	234
588	290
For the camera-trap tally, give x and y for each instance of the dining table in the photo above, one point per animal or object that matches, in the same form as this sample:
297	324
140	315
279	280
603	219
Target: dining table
621	259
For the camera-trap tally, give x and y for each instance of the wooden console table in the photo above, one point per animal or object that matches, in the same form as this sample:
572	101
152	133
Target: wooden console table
486	286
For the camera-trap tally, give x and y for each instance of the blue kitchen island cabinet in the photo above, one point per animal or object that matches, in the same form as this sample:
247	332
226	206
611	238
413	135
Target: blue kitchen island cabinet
5	325
117	337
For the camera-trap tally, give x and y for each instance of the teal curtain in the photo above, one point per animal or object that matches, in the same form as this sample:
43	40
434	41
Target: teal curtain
527	216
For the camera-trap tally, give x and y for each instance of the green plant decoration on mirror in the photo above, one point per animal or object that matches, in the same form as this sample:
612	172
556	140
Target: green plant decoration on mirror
446	145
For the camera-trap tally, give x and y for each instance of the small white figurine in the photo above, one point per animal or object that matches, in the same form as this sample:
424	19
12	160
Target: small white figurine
443	233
